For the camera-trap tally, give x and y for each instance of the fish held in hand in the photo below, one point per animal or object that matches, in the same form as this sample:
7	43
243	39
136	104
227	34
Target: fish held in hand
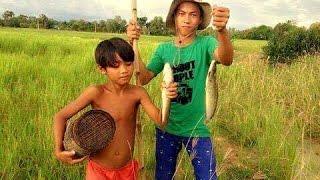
167	79
211	98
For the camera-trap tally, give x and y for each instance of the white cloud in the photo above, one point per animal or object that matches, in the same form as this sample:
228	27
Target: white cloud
244	13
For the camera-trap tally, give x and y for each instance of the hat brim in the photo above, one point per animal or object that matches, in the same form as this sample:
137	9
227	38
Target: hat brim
206	8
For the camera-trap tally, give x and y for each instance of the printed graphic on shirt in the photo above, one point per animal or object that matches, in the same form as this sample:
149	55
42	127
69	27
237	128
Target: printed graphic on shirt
182	74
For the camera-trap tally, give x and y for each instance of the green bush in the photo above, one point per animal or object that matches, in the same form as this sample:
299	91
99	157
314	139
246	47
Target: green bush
290	41
314	37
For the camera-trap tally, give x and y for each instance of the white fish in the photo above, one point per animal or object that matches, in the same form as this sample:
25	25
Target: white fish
211	98
167	79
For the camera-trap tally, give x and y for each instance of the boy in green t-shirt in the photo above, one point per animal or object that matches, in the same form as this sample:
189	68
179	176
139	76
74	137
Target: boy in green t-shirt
190	56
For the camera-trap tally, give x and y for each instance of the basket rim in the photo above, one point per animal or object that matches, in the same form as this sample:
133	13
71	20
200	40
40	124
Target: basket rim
105	113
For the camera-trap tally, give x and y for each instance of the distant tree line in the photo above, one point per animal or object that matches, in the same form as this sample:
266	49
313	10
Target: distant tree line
289	41
286	41
116	25
262	32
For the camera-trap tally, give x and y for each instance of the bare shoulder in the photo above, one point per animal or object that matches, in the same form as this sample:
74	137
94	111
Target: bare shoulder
93	91
138	91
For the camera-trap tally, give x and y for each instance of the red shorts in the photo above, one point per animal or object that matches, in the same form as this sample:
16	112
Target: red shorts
97	172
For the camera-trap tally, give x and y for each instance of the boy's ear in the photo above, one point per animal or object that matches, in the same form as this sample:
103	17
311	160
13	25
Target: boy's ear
102	70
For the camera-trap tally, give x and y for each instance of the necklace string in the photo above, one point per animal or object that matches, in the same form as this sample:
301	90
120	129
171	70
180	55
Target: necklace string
177	56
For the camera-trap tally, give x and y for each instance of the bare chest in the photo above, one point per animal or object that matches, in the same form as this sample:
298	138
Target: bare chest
121	108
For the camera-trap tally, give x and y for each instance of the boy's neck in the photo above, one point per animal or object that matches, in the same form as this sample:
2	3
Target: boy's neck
184	40
116	88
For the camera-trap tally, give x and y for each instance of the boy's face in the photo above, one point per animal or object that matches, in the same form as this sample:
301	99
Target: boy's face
122	73
187	18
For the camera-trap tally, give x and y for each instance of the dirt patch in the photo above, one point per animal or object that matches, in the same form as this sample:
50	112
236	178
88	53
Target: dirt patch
233	156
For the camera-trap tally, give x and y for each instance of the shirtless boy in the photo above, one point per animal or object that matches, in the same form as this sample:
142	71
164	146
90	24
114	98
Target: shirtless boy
118	97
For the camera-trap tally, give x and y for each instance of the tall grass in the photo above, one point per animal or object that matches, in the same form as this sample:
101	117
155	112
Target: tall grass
261	111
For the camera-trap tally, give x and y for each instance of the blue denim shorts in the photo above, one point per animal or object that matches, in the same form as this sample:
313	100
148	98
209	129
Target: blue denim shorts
199	149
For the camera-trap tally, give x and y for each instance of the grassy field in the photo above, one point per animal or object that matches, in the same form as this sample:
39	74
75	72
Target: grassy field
267	124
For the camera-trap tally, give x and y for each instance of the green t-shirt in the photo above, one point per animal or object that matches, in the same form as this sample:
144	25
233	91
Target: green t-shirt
190	65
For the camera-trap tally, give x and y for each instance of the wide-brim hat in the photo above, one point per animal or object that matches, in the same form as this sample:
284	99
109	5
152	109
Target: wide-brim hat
206	9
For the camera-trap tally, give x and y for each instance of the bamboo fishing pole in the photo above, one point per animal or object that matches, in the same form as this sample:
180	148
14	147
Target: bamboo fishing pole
135	45
138	83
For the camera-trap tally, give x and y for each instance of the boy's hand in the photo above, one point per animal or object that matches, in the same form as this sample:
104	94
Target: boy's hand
171	89
220	17
68	157
133	31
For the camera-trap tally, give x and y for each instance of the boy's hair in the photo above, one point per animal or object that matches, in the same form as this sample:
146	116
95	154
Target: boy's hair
106	51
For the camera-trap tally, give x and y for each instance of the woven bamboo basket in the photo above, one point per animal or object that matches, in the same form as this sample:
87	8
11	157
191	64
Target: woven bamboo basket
90	133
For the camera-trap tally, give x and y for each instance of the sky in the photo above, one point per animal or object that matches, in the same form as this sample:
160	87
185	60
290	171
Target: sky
244	13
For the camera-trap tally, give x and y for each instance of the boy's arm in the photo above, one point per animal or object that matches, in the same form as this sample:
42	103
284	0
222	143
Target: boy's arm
153	112
61	118
224	52
145	75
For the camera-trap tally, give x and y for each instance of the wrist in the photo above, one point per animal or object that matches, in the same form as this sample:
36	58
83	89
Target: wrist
56	154
223	35
58	150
